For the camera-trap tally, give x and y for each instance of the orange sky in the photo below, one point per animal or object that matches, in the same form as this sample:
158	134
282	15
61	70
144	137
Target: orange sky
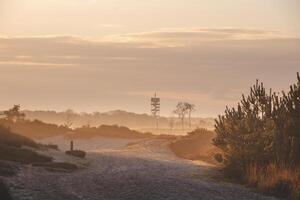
99	55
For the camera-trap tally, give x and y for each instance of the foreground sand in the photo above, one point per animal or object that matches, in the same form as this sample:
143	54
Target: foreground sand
145	169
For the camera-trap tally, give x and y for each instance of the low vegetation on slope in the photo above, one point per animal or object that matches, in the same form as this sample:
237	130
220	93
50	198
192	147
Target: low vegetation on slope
107	131
16	121
11	151
34	129
196	145
11	148
260	140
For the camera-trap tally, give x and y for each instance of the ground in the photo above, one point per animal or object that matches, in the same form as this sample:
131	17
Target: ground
144	169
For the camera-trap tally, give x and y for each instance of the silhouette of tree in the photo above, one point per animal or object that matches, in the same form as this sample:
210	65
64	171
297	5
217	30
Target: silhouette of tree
190	108
181	110
69	118
14	113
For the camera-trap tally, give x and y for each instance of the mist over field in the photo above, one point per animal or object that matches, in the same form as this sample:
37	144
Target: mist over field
149	100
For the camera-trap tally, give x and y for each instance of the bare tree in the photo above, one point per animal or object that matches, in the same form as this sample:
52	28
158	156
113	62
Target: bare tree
190	108
69	118
181	110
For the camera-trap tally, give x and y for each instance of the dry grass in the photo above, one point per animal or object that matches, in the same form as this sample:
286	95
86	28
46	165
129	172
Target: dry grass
280	181
196	145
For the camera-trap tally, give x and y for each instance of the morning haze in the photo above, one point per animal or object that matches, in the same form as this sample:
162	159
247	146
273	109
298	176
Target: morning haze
135	99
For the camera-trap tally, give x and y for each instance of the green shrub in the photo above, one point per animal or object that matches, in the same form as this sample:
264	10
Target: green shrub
264	129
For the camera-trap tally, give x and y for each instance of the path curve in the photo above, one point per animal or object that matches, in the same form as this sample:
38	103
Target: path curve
143	170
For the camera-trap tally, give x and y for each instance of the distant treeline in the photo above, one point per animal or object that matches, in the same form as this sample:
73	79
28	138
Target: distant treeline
107	131
260	140
119	117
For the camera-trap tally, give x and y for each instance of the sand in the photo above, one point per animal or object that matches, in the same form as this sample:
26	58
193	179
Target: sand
144	169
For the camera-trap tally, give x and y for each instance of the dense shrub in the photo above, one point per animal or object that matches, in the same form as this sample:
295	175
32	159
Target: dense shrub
264	129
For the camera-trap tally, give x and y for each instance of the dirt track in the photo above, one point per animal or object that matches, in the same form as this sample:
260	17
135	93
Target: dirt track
144	170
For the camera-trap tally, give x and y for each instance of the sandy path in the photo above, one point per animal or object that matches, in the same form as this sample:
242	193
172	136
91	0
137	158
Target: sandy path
144	170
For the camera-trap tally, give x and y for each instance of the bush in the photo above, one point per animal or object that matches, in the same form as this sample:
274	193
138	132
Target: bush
76	153
263	130
196	145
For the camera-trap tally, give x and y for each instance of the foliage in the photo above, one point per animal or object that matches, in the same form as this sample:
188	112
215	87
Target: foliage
14	113
263	129
182	109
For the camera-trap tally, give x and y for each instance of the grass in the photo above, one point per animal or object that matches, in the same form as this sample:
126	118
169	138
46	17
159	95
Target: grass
11	139
196	145
21	155
274	180
107	131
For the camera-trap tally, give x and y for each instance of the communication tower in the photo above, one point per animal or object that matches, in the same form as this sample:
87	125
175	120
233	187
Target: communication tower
155	108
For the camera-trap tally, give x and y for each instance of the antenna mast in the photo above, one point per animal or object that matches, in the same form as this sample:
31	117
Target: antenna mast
155	108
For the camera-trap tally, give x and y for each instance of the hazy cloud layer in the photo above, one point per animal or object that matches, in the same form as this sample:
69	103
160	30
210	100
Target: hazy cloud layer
209	67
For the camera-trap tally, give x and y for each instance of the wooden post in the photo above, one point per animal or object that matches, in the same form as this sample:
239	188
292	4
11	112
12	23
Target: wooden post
71	145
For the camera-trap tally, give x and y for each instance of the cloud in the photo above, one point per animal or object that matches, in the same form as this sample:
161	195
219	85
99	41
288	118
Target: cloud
209	66
188	45
193	36
112	25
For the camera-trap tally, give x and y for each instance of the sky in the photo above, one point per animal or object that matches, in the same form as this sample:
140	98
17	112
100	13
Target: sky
101	55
